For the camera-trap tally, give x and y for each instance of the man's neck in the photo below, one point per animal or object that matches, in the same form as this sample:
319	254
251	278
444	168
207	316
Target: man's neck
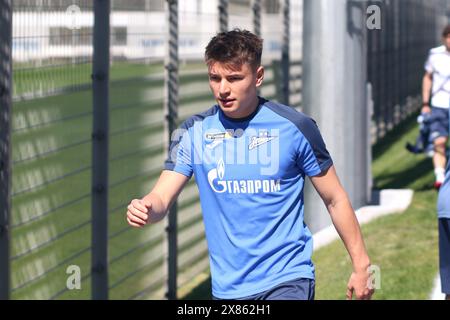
248	111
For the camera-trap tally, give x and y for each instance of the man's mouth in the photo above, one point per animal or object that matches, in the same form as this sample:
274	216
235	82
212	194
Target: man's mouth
227	102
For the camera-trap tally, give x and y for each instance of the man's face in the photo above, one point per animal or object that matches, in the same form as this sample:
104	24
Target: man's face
447	42
235	89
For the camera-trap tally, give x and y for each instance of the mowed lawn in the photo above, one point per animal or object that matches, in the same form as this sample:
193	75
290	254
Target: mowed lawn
28	78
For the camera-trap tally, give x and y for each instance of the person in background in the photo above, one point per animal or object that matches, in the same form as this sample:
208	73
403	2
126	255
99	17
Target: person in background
435	97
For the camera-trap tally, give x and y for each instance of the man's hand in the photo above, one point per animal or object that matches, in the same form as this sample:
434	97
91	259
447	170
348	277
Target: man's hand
138	212
153	207
359	285
426	109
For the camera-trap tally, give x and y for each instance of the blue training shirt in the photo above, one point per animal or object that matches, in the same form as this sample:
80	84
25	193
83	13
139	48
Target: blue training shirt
250	174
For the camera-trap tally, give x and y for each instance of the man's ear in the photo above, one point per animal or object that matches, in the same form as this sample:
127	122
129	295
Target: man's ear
259	76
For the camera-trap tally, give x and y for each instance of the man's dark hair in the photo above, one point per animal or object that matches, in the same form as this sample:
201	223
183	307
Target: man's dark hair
446	31
235	48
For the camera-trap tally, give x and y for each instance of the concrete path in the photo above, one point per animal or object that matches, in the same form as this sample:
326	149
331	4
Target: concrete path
436	293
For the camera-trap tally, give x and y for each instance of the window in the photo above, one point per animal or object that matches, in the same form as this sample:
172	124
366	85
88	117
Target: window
137	5
239	7
119	36
61	36
272	6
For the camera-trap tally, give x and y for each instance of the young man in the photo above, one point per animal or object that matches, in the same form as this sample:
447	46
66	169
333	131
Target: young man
436	86
444	234
250	157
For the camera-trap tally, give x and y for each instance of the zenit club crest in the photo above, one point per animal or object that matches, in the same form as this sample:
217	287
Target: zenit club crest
263	138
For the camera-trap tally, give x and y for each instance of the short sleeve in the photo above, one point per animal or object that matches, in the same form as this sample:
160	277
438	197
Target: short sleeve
313	157
180	152
428	64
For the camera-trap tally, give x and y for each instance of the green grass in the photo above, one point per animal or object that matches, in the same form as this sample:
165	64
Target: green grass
49	78
403	245
198	289
394	167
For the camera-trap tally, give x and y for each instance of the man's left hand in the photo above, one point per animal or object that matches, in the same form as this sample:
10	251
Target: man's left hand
358	285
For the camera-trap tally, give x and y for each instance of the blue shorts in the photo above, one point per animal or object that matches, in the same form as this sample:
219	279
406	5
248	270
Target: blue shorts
298	289
444	254
439	126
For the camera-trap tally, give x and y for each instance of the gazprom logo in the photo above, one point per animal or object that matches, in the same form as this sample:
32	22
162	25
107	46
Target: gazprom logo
221	169
219	185
219	172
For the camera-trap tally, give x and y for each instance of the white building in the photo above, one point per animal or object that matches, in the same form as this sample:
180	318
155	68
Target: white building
62	29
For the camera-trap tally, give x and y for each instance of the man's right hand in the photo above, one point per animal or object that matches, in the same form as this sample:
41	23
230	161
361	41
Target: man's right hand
137	213
426	109
153	207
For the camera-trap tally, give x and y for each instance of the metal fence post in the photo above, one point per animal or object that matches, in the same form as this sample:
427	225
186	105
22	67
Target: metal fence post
285	58
5	143
256	11
223	15
171	115
369	138
100	90
335	71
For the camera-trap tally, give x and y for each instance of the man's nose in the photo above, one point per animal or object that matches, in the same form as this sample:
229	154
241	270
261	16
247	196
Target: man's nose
224	88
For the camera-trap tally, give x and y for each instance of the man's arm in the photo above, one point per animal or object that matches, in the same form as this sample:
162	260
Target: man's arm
154	206
427	83
344	219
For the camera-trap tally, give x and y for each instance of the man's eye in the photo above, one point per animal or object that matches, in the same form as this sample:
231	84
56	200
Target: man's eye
234	79
214	78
